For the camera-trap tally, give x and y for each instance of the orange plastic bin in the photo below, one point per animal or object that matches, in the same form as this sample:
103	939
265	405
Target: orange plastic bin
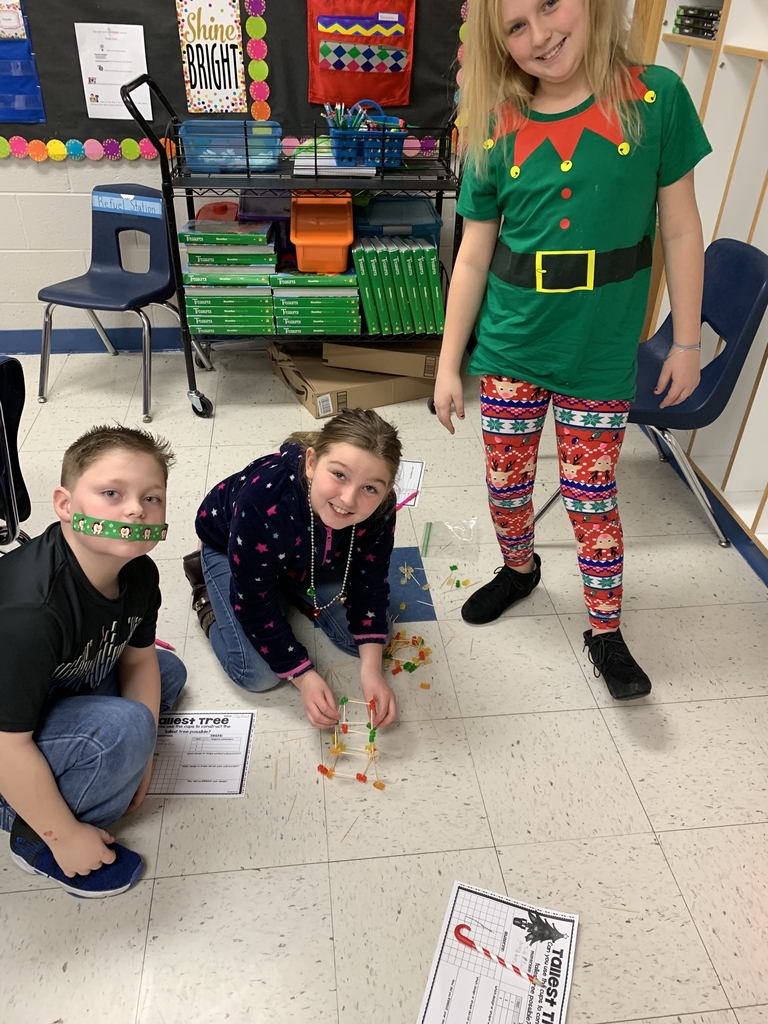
322	231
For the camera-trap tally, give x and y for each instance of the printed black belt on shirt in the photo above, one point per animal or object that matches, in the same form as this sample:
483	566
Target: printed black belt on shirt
570	270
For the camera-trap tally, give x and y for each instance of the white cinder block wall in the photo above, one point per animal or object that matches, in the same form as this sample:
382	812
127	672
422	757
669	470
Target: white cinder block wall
45	235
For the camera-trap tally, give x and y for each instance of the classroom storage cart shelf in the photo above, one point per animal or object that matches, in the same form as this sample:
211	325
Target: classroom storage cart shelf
427	169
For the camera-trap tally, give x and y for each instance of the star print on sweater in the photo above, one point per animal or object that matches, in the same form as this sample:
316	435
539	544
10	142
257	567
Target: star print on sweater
272	510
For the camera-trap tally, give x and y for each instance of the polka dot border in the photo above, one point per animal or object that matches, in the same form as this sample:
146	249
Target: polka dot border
91	149
258	69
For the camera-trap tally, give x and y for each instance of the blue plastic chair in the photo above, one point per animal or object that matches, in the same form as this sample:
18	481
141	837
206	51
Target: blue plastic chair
734	302
106	285
15	507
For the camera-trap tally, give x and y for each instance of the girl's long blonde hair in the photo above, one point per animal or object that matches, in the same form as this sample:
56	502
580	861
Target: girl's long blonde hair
493	80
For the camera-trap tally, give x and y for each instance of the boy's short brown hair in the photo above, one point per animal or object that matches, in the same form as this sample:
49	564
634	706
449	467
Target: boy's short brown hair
100	441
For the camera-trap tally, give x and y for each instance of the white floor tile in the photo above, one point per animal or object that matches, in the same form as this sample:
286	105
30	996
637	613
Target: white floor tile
631	919
514	666
658	640
268	957
548	777
58	952
734	641
95	379
430	781
58	426
721	874
752	1014
387	916
279	821
693	765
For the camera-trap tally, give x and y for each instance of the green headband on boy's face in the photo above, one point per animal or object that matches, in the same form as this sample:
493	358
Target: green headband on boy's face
118	531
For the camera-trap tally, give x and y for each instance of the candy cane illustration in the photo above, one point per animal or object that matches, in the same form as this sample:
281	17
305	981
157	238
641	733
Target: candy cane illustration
461	931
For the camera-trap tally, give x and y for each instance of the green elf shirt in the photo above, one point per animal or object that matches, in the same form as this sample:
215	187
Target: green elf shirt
568	283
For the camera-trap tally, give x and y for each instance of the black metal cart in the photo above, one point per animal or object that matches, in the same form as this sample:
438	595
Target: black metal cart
432	172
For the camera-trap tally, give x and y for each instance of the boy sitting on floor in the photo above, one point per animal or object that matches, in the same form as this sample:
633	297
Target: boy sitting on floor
81	684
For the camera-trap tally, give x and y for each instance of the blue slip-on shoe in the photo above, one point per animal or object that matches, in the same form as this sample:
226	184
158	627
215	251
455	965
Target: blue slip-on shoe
108	880
7	815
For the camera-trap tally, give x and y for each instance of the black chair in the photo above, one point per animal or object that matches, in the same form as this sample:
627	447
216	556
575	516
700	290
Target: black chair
15	506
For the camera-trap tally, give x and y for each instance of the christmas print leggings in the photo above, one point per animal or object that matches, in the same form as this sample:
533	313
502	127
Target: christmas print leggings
589	436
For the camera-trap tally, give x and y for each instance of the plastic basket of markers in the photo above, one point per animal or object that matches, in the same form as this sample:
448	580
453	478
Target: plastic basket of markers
361	137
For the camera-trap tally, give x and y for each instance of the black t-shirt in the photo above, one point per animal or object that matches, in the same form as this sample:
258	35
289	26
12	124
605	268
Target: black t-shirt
58	635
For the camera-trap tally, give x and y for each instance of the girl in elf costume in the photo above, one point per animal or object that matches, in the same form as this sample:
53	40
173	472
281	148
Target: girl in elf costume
571	151
313	524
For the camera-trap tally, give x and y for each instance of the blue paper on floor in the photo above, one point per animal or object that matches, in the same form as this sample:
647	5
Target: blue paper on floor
406	579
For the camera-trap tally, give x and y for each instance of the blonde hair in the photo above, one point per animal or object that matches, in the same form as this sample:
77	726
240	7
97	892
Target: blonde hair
97	442
364	429
492	79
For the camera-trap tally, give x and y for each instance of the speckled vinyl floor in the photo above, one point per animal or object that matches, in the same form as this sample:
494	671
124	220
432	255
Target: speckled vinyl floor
322	901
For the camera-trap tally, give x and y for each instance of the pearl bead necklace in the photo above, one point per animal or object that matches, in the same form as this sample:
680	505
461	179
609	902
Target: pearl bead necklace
342	595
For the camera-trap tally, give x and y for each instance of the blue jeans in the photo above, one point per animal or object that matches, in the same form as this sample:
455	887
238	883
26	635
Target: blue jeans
98	745
239	659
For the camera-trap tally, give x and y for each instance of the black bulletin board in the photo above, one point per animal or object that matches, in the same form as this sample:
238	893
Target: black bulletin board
53	39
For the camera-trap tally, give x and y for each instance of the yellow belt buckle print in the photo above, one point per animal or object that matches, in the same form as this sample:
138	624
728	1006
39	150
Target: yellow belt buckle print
540	271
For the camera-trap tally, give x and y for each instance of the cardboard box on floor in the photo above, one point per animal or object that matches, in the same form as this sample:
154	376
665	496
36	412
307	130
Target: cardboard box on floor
325	390
414	359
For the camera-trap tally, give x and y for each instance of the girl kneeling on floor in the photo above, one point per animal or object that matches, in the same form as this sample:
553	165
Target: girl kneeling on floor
314	525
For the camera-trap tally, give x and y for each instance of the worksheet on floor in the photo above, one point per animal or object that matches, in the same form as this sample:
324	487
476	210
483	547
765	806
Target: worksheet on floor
202	753
500	961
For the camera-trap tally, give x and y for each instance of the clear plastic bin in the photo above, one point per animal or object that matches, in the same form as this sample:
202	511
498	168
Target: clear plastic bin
395	215
213	146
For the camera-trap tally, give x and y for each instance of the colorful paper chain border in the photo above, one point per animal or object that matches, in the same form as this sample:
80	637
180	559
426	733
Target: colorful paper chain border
130	149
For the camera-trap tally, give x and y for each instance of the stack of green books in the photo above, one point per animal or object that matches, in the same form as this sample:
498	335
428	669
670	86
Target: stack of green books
400	286
226	278
316	303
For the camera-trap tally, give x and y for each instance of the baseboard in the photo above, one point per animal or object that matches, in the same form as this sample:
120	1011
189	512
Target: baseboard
85	339
731	527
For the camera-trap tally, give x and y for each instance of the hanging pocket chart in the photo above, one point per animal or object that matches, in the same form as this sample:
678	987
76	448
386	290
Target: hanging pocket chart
21	101
360	48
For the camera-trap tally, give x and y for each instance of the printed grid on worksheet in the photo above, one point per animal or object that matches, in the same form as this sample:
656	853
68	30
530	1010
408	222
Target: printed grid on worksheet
487	919
508	1008
165	773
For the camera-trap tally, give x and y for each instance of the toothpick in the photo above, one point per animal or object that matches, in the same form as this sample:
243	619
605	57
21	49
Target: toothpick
470	649
291	810
350	828
276	763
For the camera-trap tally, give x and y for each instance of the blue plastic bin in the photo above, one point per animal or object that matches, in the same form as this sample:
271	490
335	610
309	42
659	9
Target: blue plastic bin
395	215
381	146
213	146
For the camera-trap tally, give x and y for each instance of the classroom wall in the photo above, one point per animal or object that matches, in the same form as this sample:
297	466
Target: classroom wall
45	236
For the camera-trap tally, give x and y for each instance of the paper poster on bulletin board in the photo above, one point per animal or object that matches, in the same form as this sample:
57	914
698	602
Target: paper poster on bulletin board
212	56
110	56
360	49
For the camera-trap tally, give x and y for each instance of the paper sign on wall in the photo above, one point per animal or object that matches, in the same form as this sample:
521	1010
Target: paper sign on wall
12	20
110	56
212	56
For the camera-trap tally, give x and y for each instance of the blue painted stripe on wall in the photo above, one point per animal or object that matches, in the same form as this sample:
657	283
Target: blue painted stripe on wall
85	339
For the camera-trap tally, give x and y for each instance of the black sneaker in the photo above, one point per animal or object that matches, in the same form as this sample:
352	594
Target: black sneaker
507	587
610	656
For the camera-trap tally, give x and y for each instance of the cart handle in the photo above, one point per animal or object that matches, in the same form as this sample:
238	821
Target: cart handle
133	110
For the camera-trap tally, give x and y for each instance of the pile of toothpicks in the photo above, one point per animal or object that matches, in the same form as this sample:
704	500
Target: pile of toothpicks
419	654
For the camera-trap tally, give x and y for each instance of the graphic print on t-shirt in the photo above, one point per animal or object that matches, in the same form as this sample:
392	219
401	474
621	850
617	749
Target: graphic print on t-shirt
93	669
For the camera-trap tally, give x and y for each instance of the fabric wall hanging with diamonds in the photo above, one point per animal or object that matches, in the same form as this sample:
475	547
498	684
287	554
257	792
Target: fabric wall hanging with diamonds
360	48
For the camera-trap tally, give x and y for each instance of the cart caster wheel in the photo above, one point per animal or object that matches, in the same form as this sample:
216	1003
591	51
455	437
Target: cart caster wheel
431	406
199	363
146	419
201	406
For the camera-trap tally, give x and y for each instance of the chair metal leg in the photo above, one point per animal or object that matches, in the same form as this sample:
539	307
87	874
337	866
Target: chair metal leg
548	504
195	343
101	332
693	482
654	434
146	363
45	352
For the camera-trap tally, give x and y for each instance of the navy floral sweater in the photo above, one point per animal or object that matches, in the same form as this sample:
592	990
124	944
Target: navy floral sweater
260	518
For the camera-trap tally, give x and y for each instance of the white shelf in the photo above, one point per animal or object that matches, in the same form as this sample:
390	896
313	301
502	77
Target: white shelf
747	25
